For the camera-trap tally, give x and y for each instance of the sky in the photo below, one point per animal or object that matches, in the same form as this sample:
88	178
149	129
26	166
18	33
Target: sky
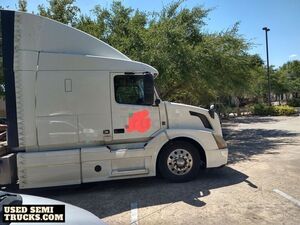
281	16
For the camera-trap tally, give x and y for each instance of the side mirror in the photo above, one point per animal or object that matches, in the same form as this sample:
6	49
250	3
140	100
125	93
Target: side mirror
211	111
157	101
148	89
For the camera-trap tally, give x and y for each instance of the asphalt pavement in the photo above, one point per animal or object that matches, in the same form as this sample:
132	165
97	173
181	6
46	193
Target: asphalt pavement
260	184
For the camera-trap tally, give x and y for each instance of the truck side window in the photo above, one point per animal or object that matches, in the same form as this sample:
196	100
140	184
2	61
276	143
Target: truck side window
129	89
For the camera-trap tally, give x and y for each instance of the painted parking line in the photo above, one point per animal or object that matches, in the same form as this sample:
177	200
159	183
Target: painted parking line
288	197
134	213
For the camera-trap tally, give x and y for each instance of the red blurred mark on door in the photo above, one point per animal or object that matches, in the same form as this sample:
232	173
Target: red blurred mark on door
139	121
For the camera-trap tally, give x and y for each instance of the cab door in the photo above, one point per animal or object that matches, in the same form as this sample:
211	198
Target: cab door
134	116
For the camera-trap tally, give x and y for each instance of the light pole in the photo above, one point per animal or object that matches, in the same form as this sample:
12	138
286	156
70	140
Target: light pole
266	29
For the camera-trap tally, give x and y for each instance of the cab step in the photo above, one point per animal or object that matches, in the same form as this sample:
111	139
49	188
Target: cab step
116	173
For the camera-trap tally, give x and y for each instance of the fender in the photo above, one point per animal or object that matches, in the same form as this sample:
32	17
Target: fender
154	146
203	137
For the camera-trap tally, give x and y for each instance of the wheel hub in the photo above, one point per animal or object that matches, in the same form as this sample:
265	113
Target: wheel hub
180	162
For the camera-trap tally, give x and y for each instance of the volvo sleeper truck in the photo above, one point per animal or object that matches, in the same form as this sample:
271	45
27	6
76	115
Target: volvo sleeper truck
80	111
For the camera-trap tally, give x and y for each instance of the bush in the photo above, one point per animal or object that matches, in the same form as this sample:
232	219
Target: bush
295	102
284	110
261	110
265	110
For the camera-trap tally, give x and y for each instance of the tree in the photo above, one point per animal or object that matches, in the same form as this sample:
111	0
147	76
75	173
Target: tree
63	11
291	72
22	5
258	83
196	67
171	46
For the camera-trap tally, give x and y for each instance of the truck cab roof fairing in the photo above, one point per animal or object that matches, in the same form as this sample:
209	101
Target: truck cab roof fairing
36	33
67	62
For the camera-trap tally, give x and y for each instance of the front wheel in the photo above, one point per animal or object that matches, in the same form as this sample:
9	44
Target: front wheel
179	161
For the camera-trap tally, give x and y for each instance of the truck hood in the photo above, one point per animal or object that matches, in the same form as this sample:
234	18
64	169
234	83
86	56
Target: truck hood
182	116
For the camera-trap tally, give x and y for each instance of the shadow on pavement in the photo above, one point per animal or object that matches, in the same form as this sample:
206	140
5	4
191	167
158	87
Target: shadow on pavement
249	120
106	199
110	198
248	142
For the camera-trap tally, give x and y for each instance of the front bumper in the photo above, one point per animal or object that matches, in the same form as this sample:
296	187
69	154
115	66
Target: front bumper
216	157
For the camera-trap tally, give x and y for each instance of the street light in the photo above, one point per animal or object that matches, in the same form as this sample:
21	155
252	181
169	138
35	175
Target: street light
266	29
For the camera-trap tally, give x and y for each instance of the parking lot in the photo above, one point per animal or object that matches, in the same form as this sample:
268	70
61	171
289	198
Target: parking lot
259	185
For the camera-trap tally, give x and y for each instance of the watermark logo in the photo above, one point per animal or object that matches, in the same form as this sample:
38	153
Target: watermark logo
33	213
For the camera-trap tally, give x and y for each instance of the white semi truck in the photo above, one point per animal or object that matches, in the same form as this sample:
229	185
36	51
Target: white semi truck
80	111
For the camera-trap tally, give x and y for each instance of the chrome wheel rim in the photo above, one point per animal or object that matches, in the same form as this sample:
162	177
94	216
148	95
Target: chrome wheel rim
180	162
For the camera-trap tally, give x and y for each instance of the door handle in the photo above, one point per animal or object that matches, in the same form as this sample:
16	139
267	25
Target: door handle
119	131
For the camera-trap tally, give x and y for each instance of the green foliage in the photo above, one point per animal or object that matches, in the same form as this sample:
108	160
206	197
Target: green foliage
291	71
63	11
265	110
22	5
284	110
261	110
196	67
295	102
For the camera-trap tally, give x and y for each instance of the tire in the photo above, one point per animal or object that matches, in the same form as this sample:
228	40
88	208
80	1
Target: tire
179	161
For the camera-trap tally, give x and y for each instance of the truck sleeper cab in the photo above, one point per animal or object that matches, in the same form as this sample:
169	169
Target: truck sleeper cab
80	111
